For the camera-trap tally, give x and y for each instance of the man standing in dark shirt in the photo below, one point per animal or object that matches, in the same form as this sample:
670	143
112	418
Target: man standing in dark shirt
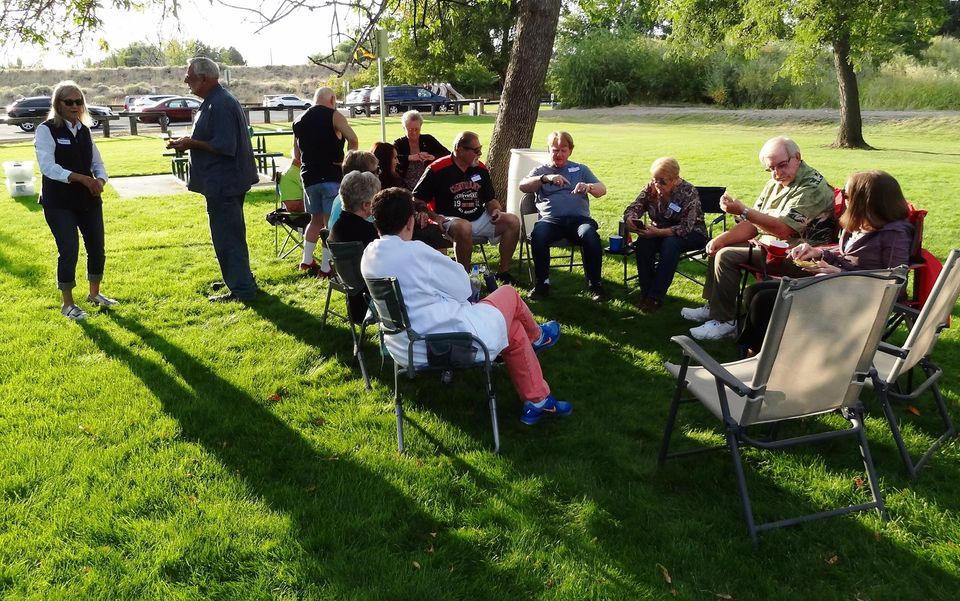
222	169
459	188
319	135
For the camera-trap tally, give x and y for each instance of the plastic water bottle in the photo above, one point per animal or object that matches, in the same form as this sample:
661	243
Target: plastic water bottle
475	284
488	279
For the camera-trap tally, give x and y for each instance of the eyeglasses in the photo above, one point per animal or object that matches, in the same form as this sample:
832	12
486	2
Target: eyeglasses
779	166
476	150
73	101
660	181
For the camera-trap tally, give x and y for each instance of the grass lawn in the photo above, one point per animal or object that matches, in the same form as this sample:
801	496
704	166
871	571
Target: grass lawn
174	449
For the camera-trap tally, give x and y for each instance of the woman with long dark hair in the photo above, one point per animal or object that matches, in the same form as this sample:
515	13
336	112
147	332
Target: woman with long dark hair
72	184
386	154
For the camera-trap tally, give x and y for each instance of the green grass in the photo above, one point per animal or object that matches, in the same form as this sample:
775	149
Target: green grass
141	455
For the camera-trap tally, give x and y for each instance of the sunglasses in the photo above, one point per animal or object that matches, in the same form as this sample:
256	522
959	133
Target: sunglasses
476	150
73	102
660	181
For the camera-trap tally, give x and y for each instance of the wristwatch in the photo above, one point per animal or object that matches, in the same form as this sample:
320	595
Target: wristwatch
743	213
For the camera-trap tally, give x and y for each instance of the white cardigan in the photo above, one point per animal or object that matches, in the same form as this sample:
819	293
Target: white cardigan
435	290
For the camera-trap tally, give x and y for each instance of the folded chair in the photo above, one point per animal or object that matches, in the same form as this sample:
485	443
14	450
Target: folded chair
349	281
445	351
893	361
529	216
291	219
807	366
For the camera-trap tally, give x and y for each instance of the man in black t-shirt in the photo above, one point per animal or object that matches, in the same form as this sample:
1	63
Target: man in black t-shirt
459	196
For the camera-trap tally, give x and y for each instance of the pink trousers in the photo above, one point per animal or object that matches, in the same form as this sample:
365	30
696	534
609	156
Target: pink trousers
522	329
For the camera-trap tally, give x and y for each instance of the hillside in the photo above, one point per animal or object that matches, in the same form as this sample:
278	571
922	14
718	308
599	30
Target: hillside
109	86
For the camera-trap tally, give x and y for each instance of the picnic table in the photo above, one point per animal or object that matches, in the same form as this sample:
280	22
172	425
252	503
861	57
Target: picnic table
260	137
266	163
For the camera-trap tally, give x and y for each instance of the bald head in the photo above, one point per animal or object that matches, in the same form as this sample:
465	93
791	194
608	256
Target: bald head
325	97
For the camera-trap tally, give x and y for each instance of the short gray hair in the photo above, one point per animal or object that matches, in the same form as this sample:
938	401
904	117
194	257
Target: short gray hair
204	66
410	116
357	188
774	144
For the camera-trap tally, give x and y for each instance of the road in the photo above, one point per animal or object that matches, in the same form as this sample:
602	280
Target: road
12	133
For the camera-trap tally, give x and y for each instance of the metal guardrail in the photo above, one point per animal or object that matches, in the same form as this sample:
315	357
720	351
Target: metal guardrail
367	108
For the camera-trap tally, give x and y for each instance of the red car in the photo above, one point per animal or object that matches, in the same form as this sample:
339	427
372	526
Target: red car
167	111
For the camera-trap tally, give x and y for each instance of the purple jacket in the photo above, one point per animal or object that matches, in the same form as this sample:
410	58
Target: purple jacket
887	247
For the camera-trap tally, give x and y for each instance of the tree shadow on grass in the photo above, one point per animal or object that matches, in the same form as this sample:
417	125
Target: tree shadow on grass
351	523
30	274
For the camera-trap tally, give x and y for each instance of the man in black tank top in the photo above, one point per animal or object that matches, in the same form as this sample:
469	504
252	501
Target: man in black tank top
319	136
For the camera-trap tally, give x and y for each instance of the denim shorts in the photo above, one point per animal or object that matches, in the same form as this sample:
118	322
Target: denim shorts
318	198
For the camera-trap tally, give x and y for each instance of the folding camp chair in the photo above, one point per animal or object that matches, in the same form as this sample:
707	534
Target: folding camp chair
529	216
349	281
292	220
445	351
710	203
807	366
893	361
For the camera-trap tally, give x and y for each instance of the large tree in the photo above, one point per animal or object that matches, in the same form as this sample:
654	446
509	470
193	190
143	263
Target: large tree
856	31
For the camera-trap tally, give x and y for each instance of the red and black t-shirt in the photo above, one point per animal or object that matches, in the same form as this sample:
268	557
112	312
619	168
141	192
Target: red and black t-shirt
455	193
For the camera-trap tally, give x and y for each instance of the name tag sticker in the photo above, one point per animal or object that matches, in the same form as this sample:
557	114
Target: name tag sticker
573	169
475	177
63	140
674	207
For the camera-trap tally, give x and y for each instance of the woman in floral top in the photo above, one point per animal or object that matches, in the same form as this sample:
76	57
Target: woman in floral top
674	226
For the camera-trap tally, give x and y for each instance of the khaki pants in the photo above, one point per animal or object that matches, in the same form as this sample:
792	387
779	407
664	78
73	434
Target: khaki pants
723	277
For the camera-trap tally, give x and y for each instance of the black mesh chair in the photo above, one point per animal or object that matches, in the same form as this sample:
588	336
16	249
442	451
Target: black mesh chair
710	203
289	225
445	351
529	216
349	281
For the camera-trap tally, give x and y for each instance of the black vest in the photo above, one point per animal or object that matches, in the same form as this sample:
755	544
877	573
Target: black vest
321	151
77	156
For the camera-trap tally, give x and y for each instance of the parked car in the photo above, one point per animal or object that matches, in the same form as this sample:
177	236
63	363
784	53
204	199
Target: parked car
179	108
355	97
408	97
39	107
282	101
144	101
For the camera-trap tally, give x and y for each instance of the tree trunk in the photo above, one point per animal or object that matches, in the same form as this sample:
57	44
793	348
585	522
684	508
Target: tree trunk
526	73
851	123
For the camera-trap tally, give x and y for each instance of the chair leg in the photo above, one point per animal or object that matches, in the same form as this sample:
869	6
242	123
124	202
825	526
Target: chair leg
398	406
883	395
868	464
326	307
741	484
358	350
672	415
492	400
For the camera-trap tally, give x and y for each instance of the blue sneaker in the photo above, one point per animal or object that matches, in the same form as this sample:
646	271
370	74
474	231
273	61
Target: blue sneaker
549	334
551	406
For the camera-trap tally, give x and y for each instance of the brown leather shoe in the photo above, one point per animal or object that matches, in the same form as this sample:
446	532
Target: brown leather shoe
649	305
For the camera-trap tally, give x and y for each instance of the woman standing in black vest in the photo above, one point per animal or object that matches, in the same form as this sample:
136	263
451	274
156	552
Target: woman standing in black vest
73	179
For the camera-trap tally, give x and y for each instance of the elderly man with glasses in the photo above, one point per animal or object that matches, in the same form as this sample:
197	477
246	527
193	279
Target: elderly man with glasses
459	196
795	206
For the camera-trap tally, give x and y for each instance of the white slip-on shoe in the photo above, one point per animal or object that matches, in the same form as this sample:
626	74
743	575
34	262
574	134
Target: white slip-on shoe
101	300
697	314
715	330
73	312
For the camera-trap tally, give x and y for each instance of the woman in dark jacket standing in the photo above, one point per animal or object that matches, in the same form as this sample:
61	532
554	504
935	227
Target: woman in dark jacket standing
415	150
73	179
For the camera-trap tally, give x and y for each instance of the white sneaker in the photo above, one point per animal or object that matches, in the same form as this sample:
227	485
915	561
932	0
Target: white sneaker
101	300
73	312
699	314
715	330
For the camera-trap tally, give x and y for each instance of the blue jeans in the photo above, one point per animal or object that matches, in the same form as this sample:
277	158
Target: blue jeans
655	277
577	230
64	224
229	234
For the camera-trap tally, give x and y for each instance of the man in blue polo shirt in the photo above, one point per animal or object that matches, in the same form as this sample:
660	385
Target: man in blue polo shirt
222	170
563	190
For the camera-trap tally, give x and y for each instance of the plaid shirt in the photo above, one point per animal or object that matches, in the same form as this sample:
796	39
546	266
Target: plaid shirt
684	195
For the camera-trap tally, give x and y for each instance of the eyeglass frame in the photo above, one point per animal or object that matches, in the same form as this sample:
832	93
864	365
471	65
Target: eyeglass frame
72	101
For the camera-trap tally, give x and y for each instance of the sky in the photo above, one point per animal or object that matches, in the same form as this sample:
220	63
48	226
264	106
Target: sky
287	42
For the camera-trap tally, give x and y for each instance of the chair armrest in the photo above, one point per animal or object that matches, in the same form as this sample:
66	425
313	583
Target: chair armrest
892	349
906	311
696	352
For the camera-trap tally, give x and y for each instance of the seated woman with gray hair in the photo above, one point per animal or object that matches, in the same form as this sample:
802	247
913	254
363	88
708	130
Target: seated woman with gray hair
357	190
415	150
